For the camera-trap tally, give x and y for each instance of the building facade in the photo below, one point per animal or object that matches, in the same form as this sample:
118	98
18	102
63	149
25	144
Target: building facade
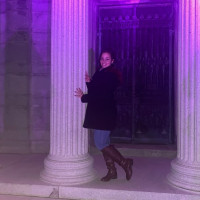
45	49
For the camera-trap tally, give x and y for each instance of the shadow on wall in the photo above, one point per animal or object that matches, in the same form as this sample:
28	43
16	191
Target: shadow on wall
27	96
17	84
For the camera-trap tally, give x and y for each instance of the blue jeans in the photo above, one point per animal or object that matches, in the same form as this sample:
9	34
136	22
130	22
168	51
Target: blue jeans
101	138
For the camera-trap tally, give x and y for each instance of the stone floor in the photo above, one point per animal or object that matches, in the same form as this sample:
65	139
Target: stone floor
19	179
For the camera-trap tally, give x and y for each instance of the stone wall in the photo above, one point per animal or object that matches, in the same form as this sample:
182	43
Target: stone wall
24	76
15	137
40	76
2	62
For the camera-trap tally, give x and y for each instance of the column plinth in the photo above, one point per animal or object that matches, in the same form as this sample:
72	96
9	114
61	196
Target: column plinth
185	175
68	162
69	171
185	169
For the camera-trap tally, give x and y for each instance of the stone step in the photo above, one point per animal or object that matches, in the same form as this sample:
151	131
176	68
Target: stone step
14	197
20	178
162	151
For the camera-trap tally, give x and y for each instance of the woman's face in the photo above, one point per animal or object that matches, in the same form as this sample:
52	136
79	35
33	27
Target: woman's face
106	60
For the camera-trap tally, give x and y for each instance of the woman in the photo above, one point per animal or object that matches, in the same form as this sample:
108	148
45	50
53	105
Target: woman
101	113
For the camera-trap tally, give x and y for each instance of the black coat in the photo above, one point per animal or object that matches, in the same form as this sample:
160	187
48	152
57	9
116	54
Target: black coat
101	110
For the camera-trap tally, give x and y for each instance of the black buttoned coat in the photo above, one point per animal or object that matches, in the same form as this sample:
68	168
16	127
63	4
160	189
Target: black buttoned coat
101	109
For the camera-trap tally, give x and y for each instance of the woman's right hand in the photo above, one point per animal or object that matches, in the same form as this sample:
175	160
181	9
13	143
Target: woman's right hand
87	77
78	93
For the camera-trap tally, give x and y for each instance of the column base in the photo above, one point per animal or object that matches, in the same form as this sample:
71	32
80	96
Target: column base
185	175
68	171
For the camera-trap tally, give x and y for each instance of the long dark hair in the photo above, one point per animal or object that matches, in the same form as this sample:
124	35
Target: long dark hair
114	70
112	55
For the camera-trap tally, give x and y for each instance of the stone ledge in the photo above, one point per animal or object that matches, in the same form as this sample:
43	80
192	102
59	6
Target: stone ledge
63	192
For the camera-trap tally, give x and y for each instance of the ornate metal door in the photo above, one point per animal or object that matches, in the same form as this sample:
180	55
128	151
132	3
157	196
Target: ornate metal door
142	37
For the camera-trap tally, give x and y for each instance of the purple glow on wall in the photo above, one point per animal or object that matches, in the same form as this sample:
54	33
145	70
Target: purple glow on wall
2	62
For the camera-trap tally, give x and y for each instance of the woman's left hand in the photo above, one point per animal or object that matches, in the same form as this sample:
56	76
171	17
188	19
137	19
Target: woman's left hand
78	93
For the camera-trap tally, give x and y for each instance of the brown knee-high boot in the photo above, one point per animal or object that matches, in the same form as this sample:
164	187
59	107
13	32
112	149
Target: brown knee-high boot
112	172
116	156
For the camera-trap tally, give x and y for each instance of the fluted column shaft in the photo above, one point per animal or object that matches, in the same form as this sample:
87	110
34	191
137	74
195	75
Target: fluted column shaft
185	171
68	162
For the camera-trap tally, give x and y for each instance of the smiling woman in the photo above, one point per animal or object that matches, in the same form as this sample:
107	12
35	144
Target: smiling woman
106	60
101	109
101	113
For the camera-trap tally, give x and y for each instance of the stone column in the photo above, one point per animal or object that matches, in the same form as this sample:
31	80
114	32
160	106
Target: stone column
185	172
68	162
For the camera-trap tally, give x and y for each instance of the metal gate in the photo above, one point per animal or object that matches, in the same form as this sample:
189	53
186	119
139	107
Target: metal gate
142	37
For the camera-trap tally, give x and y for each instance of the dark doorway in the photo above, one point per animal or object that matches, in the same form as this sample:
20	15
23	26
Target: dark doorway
142	37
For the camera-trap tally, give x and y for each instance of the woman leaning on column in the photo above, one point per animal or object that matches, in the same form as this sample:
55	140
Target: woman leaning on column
101	113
